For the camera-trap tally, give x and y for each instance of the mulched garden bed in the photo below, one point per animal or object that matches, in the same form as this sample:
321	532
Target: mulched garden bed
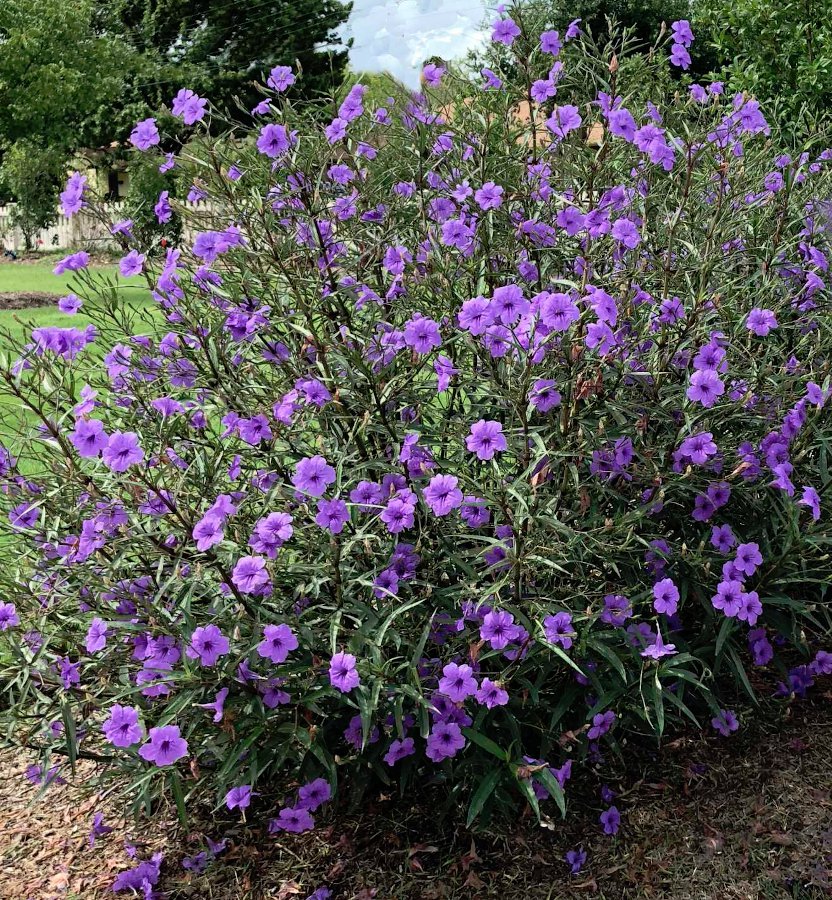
748	818
26	299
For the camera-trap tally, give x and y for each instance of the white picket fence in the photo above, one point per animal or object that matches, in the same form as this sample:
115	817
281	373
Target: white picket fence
82	230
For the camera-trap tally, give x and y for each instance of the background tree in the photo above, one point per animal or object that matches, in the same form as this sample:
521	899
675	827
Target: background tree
780	52
33	175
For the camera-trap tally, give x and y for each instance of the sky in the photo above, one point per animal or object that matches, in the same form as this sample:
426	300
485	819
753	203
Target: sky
396	36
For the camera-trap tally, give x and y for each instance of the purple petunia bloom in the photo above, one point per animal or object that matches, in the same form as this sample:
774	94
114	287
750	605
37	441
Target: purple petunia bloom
422	334
281	78
485	439
250	575
122	451
131	264
442	494
294	819
811	498
725	722
122	728
610	820
332	515
314	794
208	644
559	629
498	629
70	304
705	387
313	475
563	120
748	558
761	322
398	750
189	107
89	437
239	797
504	31
491	694
165	746
575	859
96	638
342	672
658	648
665	597
543	396
601	724
489	196
458	682
722	538
8	616
273	141
278	642
145	135
444	741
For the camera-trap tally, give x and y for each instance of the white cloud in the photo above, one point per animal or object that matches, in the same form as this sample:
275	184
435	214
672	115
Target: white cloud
396	36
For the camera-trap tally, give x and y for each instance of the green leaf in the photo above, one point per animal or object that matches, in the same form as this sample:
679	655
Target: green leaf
552	785
179	797
486	743
484	790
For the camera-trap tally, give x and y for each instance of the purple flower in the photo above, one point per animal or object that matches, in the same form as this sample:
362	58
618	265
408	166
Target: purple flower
665	597
70	304
489	196
294	819
611	820
476	316
208	644
122	728
563	120
491	694
559	629
72	196
422	334
575	859
442	494
504	31
122	451
509	304
658	648
145	135
273	140
342	672
444	741
89	437
550	43
239	797
722	538
679	56
314	794
131	264
165	746
96	638
625	232
748	558
208	531
601	724
811	498
99	829
250	575
485	439
281	78
189	107
8	616
398	750
761	322
725	722
313	475
498	629
332	515
458	682
278	642
543	396
705	387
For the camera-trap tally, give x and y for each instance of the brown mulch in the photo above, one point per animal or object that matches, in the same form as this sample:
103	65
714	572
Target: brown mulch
26	299
748	818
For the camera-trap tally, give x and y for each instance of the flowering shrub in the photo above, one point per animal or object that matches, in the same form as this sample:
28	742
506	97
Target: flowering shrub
458	447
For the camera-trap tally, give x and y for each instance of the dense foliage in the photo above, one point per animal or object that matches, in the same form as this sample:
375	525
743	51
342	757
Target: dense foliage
458	450
780	52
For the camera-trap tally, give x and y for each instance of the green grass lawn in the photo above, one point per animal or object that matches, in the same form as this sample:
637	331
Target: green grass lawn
38	277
